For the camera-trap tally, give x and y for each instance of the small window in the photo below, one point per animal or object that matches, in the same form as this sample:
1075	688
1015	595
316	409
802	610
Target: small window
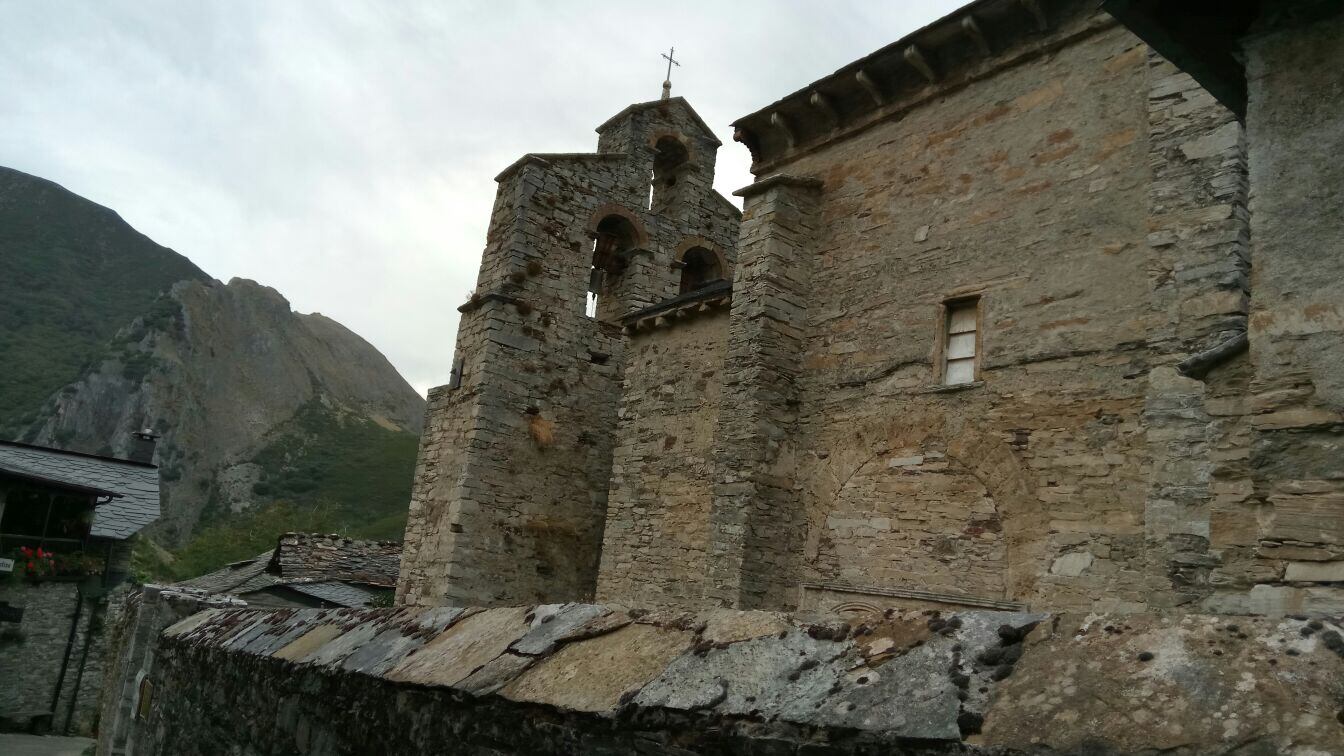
146	700
961	341
455	377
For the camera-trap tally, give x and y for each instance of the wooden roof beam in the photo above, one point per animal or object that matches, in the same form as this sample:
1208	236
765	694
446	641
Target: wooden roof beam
971	29
822	104
779	121
871	86
1034	8
915	57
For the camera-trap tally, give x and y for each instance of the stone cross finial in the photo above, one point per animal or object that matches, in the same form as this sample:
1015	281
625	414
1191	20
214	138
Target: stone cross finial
667	82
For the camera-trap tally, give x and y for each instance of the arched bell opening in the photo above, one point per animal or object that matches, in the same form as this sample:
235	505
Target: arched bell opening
613	239
699	268
670	160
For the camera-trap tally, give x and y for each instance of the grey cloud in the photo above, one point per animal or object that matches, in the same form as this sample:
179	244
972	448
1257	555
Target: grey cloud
343	152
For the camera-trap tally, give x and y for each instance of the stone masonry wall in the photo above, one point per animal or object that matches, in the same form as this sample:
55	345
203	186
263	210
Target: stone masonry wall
511	485
756	520
1296	407
1093	201
590	679
1154	417
654	547
506	505
32	652
1198	270
1029	191
136	621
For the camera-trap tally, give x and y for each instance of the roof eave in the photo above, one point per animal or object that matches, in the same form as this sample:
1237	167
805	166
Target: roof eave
971	44
29	477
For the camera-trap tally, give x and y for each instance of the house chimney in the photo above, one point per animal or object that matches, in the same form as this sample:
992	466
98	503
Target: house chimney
142	446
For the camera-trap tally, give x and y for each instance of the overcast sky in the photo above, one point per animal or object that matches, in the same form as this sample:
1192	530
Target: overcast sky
343	152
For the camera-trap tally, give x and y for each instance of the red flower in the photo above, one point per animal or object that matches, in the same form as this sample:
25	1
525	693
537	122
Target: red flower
25	551
30	566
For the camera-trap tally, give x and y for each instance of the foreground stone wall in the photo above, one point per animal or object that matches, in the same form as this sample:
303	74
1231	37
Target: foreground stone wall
132	639
587	679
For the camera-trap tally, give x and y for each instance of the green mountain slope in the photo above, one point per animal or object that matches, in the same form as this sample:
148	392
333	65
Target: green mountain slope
71	274
270	420
325	471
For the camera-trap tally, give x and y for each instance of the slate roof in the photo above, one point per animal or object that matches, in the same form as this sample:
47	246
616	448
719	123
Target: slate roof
232	577
338	570
334	557
134	486
716	288
336	592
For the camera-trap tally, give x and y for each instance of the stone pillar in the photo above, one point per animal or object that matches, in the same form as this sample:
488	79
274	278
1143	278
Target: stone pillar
1295	127
756	522
1198	265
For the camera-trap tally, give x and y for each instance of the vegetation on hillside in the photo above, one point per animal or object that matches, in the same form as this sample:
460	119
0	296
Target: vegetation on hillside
326	472
71	274
80	290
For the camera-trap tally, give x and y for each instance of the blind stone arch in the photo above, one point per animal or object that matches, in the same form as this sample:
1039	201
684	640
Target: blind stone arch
976	451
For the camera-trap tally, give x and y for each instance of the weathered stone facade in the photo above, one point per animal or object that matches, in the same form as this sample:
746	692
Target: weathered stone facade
1151	416
511	488
1037	190
1296	404
53	659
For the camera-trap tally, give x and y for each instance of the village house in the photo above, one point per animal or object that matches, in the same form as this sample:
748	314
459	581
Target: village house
66	524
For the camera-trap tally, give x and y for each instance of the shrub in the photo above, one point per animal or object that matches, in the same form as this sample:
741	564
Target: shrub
541	430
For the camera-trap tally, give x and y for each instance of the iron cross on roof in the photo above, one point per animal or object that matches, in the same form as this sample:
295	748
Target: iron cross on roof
667	82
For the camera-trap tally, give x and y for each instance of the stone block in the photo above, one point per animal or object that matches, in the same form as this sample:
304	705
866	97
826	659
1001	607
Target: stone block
1072	564
1314	572
594	675
1227	137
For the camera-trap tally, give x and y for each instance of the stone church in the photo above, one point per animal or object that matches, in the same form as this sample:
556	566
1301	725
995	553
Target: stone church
1020	370
1002	325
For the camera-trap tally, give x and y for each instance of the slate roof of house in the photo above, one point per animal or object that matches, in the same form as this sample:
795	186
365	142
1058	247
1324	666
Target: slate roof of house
336	592
235	577
334	557
333	568
133	486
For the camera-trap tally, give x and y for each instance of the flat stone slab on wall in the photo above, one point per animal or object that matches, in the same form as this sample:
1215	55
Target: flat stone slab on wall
580	678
